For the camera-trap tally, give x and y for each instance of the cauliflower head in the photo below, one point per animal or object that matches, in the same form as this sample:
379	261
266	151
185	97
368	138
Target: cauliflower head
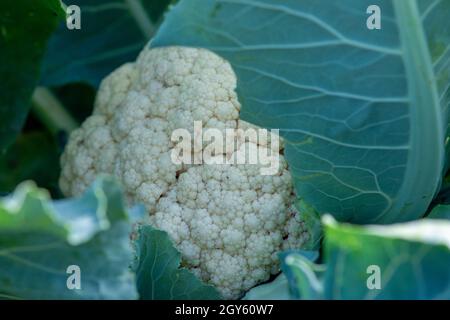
228	221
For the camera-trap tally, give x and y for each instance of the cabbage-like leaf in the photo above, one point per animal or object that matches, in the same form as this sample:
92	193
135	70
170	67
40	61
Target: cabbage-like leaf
301	279
112	33
443	197
278	289
40	240
29	158
25	27
304	276
158	271
364	112
312	223
441	212
401	261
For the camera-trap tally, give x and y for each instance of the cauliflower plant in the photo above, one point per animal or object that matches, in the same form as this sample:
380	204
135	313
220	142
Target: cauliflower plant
228	221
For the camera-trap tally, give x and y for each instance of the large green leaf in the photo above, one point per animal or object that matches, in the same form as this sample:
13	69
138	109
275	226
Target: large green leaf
158	271
112	33
25	27
312	223
412	259
77	98
278	289
29	159
363	111
301	279
441	212
304	276
40	239
443	197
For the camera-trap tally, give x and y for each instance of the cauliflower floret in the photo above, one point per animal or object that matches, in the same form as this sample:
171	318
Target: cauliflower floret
213	219
228	221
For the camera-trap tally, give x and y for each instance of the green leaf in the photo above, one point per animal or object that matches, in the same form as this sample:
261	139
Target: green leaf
364	112
304	276
25	27
159	276
312	223
441	212
443	197
301	279
29	159
112	33
78	99
403	261
277	289
40	239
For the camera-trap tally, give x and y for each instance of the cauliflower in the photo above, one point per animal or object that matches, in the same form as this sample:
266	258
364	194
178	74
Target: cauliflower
228	221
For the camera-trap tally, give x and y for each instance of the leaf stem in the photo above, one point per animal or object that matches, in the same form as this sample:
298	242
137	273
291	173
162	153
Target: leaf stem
143	21
50	111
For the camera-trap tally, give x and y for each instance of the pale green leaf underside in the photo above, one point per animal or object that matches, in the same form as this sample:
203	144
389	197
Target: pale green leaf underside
363	111
413	259
397	262
278	289
40	239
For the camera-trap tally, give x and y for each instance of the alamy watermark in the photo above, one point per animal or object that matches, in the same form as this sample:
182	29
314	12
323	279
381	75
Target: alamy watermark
74	279
73	17
374	279
374	20
225	147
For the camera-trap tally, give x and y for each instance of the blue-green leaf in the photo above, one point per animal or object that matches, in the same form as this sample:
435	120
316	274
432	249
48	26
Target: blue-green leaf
25	27
304	276
278	289
364	112
441	212
28	158
312	223
402	261
158	271
112	33
40	240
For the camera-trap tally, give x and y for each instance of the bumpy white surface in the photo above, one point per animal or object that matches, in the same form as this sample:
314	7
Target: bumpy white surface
228	221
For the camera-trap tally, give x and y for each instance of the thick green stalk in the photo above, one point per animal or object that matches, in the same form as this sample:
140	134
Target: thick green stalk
49	110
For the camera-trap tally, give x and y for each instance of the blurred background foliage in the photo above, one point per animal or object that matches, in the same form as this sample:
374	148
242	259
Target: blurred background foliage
112	33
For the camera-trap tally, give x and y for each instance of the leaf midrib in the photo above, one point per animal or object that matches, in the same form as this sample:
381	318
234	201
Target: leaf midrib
142	19
426	155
